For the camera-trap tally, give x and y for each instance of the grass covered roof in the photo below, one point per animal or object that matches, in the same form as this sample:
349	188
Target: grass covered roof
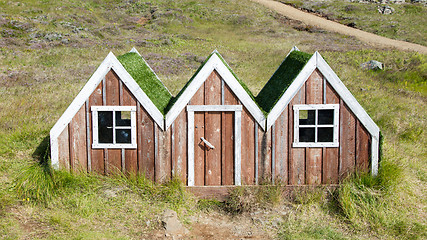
146	79
281	79
266	99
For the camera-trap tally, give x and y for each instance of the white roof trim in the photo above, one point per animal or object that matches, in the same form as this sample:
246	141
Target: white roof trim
355	107
215	63
110	62
347	97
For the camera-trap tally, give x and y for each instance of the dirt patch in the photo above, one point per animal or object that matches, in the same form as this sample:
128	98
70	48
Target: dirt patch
319	22
218	225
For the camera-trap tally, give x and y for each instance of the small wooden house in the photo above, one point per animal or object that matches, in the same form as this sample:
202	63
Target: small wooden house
304	127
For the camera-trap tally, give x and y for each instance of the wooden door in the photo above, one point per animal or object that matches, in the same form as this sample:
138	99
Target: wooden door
214	145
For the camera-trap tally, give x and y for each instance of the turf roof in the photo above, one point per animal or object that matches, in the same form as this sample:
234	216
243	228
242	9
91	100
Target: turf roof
146	79
281	80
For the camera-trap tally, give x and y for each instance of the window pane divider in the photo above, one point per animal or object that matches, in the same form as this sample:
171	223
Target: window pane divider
316	126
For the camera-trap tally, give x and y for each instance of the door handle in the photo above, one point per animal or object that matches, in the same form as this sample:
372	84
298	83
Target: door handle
207	143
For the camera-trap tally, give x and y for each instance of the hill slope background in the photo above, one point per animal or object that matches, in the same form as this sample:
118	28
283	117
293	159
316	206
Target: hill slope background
49	50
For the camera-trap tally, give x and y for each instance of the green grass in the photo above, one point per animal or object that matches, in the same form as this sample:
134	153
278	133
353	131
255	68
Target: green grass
282	79
39	78
146	79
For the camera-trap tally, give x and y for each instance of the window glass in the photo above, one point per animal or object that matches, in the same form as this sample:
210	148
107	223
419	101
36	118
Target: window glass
306	134
325	134
123	136
306	117
326	116
105	127
123	118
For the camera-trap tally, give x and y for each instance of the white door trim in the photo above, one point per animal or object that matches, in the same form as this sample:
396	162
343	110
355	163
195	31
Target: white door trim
237	109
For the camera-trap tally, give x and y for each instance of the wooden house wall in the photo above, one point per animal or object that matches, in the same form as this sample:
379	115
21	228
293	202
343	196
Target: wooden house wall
75	142
322	165
219	169
265	155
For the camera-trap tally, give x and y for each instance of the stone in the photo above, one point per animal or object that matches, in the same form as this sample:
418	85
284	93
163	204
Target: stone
171	224
372	65
385	9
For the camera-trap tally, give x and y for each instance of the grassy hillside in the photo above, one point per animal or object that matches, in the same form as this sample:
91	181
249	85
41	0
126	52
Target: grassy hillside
406	23
49	49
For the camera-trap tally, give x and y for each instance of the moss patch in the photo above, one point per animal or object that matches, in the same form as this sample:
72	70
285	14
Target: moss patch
282	79
146	79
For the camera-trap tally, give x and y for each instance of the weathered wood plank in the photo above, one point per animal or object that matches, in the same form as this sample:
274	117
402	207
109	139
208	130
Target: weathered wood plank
131	155
314	88
213	130
78	140
180	149
314	165
247	150
347	141
199	149
314	95
64	150
330	155
112	89
213	89
98	161
114	161
363	144
227	146
146	152
281	149
88	136
264	151
97	155
296	155
213	156
163	163
228	138
112	97
199	131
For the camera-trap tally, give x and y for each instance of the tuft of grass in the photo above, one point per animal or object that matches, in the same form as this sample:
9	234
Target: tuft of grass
36	183
269	194
309	195
313	227
375	203
240	200
246	198
208	205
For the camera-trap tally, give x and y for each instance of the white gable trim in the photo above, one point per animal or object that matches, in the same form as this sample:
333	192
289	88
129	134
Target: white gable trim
110	62
355	107
317	61
215	63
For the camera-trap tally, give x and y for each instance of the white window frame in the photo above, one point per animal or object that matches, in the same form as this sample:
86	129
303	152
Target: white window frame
316	107
131	109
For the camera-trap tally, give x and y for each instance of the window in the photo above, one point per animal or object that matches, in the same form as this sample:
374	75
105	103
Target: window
114	126
316	125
